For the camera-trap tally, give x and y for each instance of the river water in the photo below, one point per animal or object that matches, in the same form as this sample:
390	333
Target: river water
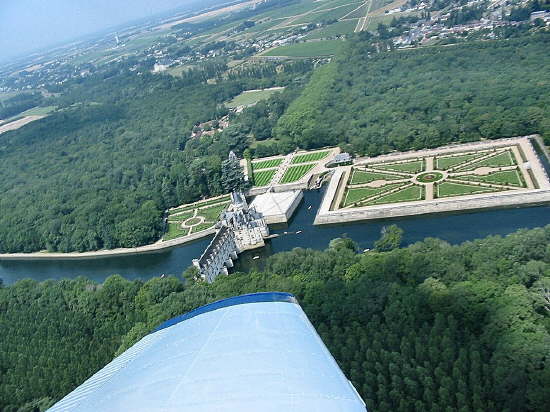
454	228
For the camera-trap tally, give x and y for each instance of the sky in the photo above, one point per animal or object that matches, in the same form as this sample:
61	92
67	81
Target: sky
27	25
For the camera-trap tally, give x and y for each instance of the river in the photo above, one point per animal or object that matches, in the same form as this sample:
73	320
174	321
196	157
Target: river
454	228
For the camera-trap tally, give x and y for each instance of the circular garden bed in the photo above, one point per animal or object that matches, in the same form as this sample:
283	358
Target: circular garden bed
429	177
193	221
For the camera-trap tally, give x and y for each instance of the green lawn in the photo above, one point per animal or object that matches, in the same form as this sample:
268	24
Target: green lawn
265	164
447	189
505	177
202	226
192	221
408	167
295	173
503	159
354	195
212	213
408	194
223	199
360	176
309	157
249	98
182	217
309	49
175	230
264	177
445	163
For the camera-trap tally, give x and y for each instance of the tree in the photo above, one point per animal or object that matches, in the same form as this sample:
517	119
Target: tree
391	238
232	175
541	291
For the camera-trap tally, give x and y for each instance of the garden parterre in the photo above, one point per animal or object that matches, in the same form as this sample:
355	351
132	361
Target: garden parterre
438	175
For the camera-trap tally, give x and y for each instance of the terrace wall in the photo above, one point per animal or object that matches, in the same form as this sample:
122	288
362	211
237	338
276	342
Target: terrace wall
489	201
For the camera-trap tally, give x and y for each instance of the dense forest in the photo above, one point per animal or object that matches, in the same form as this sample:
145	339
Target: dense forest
99	172
19	103
426	97
430	327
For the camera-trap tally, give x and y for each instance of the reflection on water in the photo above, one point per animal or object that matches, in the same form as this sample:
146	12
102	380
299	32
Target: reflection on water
454	228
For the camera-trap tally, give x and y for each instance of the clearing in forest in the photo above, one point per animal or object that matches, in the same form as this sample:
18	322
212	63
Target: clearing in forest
251	97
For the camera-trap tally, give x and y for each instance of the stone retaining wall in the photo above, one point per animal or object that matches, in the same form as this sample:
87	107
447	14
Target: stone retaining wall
437	206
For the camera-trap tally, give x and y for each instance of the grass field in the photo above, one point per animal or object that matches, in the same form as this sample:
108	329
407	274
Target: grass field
445	163
265	164
409	194
503	159
309	49
505	177
249	98
309	157
354	195
264	177
407	167
295	173
360	176
447	189
335	29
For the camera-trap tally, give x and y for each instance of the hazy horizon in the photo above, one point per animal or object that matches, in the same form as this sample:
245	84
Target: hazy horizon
29	25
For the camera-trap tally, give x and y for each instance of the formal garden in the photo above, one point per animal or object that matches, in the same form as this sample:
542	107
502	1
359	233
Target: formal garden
295	173
275	170
435	176
196	217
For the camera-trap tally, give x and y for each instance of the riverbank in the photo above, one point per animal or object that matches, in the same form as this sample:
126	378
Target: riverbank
454	228
157	247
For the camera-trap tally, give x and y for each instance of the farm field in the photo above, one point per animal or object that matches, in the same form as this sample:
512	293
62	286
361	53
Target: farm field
266	164
295	173
332	30
309	49
324	15
251	97
263	177
310	157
